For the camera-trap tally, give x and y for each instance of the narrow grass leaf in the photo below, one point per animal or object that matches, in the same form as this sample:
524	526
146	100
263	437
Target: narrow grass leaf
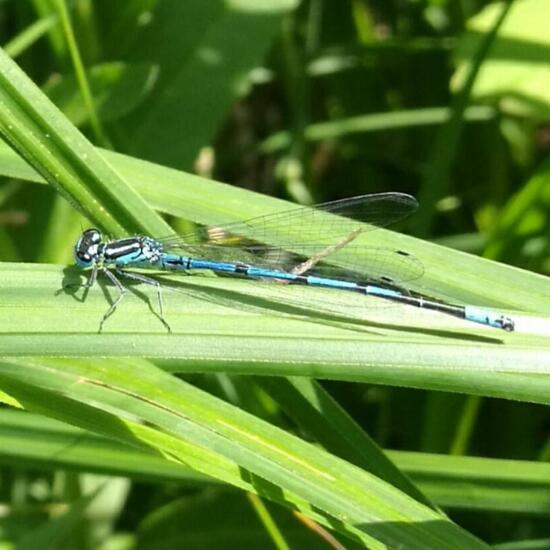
117	88
42	135
28	36
376	122
316	412
439	169
514	72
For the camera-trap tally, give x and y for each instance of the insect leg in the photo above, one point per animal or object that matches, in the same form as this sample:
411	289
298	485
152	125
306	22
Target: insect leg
148	281
121	291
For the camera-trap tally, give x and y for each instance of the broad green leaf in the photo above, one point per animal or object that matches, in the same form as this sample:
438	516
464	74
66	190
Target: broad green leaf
205	52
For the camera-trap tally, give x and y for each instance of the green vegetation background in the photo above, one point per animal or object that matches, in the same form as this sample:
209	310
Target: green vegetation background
131	112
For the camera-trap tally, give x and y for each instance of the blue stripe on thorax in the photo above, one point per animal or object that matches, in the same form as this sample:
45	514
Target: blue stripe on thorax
131	258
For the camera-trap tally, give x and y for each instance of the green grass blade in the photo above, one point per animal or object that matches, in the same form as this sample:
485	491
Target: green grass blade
514	73
118	89
54	533
524	217
45	8
26	38
268	522
316	412
80	72
236	326
42	135
144	406
525	544
36	441
475	483
375	122
205	55
467	483
439	169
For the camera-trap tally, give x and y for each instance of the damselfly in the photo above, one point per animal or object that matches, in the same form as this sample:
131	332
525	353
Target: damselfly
318	250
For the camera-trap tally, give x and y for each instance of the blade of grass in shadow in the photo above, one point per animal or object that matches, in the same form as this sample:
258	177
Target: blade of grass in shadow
57	44
205	57
80	73
54	532
316	412
476	483
27	37
63	228
151	408
524	217
466	425
118	88
42	135
375	122
37	441
267	520
439	169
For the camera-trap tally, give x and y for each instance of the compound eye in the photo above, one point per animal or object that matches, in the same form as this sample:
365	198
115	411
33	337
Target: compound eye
86	249
92	236
83	257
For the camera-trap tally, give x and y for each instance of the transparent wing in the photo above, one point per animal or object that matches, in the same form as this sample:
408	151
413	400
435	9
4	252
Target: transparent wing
323	235
309	224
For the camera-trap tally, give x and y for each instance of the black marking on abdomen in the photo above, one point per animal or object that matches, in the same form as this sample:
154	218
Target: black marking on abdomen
176	262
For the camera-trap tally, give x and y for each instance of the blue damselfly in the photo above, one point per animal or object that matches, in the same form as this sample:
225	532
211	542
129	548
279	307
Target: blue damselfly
319	250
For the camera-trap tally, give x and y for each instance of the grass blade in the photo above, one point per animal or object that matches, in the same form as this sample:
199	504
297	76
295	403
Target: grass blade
42	135
233	326
144	406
